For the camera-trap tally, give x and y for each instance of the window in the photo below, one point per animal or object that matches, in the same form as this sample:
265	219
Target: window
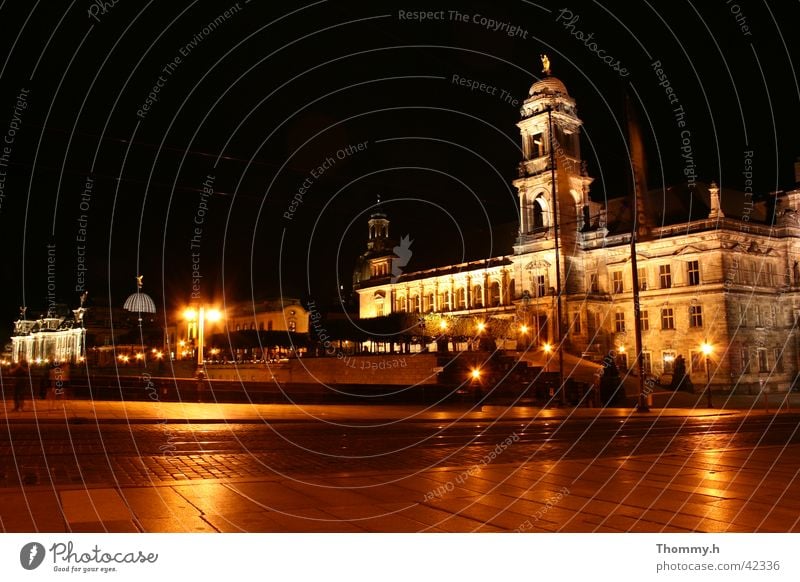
667	318
778	361
644	320
260	326
594	287
693	272
378	312
616	281
401	304
538	216
430	302
619	321
642	273
269	325
576	323
461	298
494	294
668	361
762	360
647	361
743	315
696	316
745	361
536	145
477	296
540	286
665	276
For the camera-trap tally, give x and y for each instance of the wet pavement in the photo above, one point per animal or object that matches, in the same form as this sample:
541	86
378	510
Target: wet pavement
205	467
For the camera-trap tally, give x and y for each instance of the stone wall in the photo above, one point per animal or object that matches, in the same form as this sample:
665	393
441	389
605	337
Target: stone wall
389	369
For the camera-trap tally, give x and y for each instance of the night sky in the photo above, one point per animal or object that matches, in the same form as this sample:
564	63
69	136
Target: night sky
196	124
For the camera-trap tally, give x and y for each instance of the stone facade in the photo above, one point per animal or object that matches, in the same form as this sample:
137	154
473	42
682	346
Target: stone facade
728	276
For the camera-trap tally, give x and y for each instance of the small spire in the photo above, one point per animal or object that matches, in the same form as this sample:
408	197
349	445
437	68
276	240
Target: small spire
545	64
139	281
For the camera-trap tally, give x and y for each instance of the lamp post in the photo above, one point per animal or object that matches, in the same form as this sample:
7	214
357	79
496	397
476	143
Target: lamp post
201	315
707	349
547	349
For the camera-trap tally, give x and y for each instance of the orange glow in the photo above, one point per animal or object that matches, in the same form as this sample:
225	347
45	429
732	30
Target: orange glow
547	348
139	356
476	373
523	329
443	324
481	326
189	314
213	315
706	348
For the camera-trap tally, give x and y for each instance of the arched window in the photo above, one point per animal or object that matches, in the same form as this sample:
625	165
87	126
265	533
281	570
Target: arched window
538	214
494	294
461	298
477	296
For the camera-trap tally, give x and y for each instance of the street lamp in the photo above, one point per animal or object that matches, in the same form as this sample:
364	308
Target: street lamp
201	315
706	348
547	349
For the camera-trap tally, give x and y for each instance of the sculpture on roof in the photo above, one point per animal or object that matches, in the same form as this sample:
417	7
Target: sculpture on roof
545	64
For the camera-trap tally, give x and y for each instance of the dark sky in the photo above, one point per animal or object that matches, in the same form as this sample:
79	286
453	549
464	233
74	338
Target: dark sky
265	96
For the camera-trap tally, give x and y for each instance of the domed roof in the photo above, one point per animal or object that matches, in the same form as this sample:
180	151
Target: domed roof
548	84
140	303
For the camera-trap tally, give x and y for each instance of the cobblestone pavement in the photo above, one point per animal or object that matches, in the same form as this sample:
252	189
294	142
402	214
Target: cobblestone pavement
146	454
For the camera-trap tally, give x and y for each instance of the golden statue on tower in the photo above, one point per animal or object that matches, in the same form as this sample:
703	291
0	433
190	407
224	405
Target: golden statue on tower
545	64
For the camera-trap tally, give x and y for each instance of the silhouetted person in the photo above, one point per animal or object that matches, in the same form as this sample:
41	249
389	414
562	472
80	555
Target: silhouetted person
680	381
610	384
21	375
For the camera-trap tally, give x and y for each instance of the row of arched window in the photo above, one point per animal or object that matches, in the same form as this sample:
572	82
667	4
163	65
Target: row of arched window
427	302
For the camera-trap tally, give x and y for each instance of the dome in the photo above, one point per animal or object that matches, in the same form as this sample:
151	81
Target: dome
140	303
547	85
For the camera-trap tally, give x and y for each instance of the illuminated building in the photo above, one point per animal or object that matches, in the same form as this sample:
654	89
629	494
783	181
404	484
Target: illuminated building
714	267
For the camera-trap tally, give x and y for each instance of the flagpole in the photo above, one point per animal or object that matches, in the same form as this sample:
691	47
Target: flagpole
563	395
642	406
637	180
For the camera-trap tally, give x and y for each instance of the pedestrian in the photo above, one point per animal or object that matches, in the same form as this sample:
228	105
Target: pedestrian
594	390
44	383
21	375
